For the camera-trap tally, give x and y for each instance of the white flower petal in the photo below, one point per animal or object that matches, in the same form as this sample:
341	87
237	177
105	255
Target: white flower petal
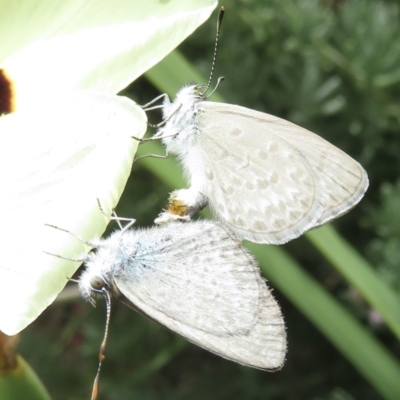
53	167
102	45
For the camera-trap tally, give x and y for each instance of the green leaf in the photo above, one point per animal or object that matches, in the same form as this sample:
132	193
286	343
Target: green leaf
353	340
359	273
22	383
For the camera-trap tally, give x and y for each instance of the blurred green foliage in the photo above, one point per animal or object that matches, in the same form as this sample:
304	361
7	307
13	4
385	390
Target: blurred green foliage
384	249
332	67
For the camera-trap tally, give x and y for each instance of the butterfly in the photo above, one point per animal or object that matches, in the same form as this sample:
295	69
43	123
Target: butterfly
265	178
195	279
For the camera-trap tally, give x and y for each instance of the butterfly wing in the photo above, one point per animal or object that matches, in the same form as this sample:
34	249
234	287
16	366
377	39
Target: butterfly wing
274	180
198	281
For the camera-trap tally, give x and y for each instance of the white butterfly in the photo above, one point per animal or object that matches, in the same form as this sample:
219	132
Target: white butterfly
265	178
197	280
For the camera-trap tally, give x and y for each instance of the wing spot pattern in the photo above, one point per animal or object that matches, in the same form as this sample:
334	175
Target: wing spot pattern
283	208
263	184
306	204
223	154
295	215
273	147
274	178
209	175
236	181
240	222
296	175
249	185
279	224
227	189
236	132
263	155
220	207
259	225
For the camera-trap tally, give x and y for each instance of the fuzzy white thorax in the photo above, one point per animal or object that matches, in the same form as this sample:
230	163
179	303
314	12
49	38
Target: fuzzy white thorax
180	129
181	132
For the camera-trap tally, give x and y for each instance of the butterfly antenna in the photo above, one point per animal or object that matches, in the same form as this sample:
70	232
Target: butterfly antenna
81	239
102	353
219	22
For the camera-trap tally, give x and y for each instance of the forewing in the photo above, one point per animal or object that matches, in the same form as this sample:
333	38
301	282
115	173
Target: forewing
198	281
270	180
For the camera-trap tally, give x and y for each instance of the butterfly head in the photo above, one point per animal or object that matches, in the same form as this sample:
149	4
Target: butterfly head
90	285
100	266
189	94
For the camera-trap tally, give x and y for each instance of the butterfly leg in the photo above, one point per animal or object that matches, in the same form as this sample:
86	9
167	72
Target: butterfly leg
150	155
141	140
146	107
114	217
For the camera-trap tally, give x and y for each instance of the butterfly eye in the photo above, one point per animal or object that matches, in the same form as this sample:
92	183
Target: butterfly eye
97	283
197	89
